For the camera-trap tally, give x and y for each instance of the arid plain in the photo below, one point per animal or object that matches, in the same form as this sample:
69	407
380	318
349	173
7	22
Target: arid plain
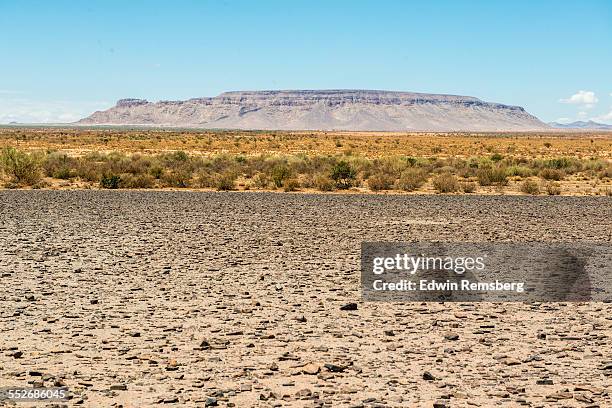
206	298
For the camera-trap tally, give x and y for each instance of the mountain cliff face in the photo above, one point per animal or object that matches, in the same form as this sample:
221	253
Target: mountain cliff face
323	110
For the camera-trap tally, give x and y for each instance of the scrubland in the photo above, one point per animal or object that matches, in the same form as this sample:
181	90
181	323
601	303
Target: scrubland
506	163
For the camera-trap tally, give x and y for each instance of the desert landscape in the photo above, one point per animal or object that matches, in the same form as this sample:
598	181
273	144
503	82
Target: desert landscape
534	163
359	204
142	279
136	298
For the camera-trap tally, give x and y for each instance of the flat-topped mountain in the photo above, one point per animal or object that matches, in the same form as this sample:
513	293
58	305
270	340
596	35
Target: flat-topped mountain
323	110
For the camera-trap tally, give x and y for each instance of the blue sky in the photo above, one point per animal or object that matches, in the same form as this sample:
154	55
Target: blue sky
61	60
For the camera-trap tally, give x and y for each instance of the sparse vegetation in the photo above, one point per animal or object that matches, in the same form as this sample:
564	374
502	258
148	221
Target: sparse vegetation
22	168
530	187
412	179
446	183
343	174
265	160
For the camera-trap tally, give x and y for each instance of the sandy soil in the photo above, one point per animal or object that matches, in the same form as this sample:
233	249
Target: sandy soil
233	299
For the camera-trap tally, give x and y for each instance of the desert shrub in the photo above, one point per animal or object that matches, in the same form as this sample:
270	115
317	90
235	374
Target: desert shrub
204	179
156	171
24	169
279	174
89	171
343	175
411	160
180	177
530	187
605	172
291	184
552	174
380	182
110	181
520	171
60	166
495	157
225	182
261	181
136	181
323	183
412	179
492	175
446	183
552	188
559	163
468	186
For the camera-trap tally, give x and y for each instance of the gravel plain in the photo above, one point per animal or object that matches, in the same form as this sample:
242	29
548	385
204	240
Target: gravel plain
141	298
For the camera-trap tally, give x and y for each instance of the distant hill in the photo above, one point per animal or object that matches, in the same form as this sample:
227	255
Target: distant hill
323	110
581	125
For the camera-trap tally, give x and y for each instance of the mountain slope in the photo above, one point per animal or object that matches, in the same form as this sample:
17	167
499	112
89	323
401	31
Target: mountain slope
581	125
323	110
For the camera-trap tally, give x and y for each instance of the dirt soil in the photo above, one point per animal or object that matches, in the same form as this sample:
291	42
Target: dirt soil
134	298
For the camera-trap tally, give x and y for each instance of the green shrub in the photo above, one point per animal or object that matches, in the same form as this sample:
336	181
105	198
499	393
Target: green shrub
343	175
496	157
559	163
225	182
520	171
110	181
412	179
492	175
24	169
279	174
446	183
530	187
60	166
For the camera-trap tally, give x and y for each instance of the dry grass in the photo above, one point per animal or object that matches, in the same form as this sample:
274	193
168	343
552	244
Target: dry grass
570	163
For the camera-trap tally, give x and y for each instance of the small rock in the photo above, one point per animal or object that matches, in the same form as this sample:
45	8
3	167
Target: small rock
335	368
311	369
544	381
211	402
427	376
451	336
118	387
304	393
349	306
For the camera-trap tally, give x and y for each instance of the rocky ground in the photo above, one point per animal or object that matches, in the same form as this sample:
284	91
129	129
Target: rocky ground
234	299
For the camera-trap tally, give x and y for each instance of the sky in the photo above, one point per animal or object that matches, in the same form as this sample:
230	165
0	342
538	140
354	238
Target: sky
62	60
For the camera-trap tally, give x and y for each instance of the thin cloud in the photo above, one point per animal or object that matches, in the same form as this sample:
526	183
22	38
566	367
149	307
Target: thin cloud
10	92
26	111
606	118
586	98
